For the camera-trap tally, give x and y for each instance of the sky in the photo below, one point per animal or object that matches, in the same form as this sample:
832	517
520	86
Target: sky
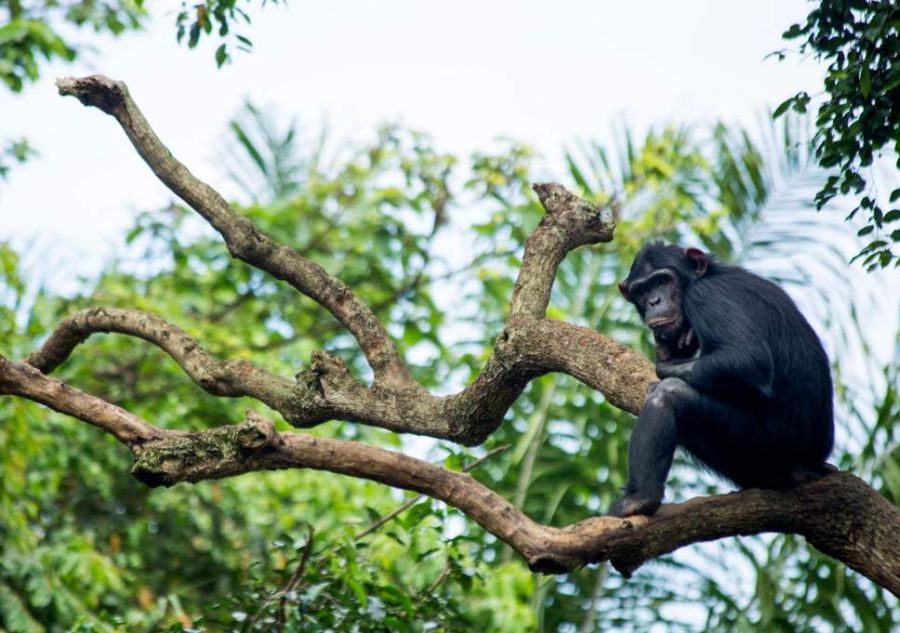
466	72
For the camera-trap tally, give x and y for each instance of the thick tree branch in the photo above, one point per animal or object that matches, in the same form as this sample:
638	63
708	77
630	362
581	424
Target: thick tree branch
328	391
244	240
838	514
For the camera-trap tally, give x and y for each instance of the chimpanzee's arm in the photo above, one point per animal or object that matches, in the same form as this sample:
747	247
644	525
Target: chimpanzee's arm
726	369
680	349
675	368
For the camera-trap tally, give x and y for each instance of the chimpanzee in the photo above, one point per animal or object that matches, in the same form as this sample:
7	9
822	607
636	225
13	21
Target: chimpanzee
745	384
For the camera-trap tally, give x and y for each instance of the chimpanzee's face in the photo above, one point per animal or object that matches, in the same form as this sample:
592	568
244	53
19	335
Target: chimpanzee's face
657	296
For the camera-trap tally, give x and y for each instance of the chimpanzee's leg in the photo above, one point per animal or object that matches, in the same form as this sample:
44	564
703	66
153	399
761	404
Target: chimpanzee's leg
729	440
749	447
651	448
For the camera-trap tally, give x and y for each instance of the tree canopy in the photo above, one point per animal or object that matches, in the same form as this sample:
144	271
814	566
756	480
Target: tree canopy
860	115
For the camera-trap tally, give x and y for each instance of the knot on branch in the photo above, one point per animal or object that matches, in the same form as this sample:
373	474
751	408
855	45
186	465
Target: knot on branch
212	454
565	549
249	243
306	405
255	432
95	90
311	398
554	197
505	350
332	373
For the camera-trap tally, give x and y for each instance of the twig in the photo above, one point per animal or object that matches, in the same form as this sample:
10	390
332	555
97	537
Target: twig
437	581
295	578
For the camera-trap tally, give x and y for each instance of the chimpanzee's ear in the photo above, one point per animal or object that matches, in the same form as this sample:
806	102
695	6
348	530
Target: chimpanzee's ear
698	261
623	288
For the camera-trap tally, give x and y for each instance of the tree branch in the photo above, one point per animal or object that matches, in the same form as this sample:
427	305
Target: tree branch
839	514
570	222
20	379
220	378
395	401
244	240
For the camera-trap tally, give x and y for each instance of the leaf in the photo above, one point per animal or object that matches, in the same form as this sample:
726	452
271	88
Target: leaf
358	591
221	55
194	35
783	107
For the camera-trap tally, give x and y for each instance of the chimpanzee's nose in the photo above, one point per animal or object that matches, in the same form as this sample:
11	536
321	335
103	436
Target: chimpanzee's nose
654	301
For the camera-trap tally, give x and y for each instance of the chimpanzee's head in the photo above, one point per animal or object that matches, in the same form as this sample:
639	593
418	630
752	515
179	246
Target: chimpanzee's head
656	283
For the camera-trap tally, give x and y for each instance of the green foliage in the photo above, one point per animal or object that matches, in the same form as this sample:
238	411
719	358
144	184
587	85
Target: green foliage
860	41
85	547
35	30
44	30
20	42
202	18
41	31
14	151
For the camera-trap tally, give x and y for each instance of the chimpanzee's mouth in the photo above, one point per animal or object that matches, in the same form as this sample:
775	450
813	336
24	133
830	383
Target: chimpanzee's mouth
657	323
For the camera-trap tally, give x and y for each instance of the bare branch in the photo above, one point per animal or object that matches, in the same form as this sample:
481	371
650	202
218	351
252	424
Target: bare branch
328	391
622	375
570	222
220	378
244	240
839	514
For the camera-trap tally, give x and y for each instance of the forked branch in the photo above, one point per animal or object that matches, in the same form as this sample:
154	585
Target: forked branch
244	240
395	401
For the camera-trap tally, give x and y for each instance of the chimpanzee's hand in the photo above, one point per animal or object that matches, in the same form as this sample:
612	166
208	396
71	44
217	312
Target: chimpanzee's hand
687	343
675	368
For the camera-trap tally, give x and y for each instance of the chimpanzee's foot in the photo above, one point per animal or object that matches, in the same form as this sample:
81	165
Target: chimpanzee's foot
801	474
633	504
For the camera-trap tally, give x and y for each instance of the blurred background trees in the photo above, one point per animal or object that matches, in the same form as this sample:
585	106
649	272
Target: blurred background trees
433	241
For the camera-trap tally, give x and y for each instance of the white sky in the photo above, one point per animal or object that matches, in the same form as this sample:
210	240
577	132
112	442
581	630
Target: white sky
545	73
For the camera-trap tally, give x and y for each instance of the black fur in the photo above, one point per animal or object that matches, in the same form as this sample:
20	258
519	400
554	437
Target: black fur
754	405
